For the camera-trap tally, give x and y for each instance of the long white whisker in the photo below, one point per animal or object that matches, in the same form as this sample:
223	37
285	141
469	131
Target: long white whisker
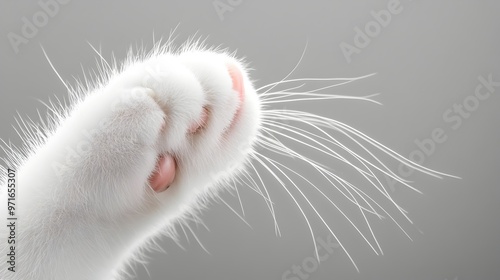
317	165
315	97
359	158
382	208
254	183
377	144
235	212
270	206
257	191
353	201
363	173
290	73
316	211
314	79
330	123
329	151
335	205
384	192
239	197
282	92
293	198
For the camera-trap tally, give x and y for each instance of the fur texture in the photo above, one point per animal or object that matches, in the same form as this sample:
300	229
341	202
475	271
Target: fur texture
84	204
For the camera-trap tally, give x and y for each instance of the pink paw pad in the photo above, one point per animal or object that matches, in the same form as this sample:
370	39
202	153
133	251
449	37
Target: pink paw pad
164	173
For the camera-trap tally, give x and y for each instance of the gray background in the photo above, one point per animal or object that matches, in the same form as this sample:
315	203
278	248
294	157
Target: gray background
428	58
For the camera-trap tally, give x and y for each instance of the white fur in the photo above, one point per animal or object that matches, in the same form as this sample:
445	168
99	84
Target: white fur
84	205
85	208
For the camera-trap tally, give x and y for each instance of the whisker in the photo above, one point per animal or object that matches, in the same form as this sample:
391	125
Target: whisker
315	97
235	212
254	183
316	165
329	122
359	158
317	213
258	191
314	79
293	198
270	206
285	91
383	209
290	73
239	197
363	173
279	147
335	205
355	201
382	189
330	152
